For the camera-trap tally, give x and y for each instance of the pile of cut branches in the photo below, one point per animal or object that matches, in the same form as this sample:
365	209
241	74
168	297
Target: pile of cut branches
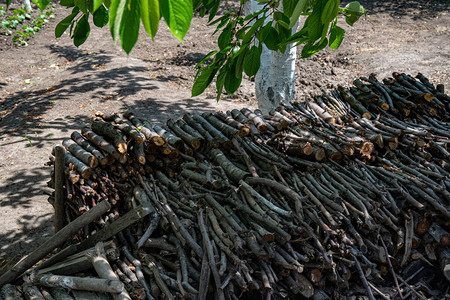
344	196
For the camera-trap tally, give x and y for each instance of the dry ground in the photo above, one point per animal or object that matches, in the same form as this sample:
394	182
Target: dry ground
51	88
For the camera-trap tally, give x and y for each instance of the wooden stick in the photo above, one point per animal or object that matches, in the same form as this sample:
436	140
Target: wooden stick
111	229
363	278
57	240
103	269
59	193
80	283
209	250
80	153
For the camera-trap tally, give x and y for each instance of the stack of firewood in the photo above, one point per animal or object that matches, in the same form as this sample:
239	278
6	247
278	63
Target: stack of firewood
339	197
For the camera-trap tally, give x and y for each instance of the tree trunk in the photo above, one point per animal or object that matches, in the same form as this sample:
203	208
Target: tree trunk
275	80
27	5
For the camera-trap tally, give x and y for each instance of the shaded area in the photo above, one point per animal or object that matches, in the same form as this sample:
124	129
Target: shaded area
163	109
187	59
33	230
19	192
417	9
23	112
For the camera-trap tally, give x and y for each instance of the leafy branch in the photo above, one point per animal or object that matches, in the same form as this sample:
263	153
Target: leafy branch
240	50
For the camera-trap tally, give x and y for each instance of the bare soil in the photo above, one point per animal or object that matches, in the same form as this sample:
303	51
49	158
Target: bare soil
50	88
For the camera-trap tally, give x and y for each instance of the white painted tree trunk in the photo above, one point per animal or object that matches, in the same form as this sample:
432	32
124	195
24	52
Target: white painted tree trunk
27	5
275	80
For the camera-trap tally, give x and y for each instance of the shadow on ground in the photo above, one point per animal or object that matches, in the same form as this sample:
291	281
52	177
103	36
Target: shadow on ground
19	192
89	78
419	9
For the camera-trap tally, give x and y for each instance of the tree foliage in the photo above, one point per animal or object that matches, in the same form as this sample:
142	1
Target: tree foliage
240	38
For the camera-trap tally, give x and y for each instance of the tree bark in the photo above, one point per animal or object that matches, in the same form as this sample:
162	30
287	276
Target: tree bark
275	80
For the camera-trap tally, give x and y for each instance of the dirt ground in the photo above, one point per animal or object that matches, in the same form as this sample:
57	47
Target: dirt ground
50	88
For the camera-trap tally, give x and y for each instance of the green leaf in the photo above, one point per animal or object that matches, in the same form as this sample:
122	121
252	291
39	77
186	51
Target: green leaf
289	6
24	34
336	36
248	36
314	25
129	26
6	23
351	19
150	16
202	81
329	11
281	19
82	5
221	24
178	16
252	61
115	17
301	35
205	58
96	4
14	23
220	81
224	37
256	13
226	15
355	8
8	3
81	32
239	57
67	3
272	39
64	24
232	82
299	7
101	17
310	48
213	10
353	11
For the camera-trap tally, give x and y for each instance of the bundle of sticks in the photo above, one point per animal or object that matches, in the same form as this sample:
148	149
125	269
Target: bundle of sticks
400	96
300	202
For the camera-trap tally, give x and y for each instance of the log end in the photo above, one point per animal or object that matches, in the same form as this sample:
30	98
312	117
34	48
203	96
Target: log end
367	115
141	160
367	148
196	143
336	156
384	106
123	159
244	131
158	140
263	128
428	97
122	147
319	154
93	161
308	150
86	173
104	161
